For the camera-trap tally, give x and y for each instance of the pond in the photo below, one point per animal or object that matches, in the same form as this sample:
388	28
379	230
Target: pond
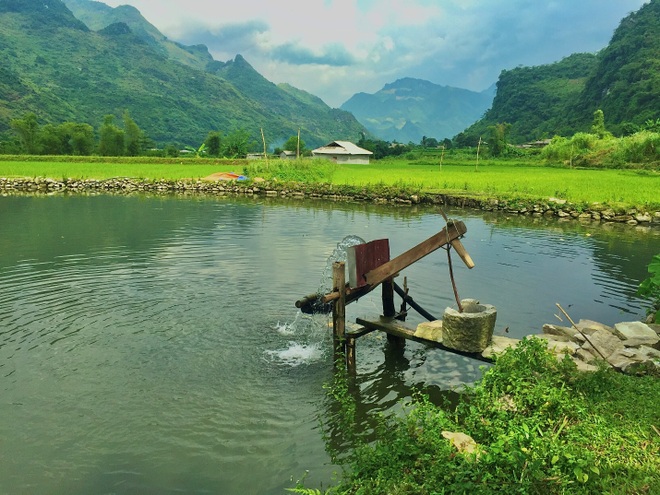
151	344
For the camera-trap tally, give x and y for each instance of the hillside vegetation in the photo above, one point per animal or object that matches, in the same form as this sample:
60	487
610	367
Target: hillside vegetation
58	68
623	80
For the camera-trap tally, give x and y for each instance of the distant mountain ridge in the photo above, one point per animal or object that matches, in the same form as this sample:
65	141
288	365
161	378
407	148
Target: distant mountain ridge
409	109
623	80
61	69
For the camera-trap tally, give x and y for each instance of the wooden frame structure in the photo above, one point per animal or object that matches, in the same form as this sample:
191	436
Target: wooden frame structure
390	322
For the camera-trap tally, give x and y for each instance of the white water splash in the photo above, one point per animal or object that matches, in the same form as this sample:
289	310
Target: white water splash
296	354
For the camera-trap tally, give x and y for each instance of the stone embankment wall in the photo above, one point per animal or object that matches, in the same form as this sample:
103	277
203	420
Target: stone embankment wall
388	195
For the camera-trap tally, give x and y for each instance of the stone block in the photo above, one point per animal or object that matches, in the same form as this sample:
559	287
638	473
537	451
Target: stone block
558	330
589	326
634	333
605	342
586	356
498	345
430	330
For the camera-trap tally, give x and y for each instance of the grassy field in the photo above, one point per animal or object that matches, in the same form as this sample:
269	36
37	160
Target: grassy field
503	179
631	187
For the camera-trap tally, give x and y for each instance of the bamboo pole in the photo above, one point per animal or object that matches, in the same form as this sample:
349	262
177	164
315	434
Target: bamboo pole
478	148
339	308
298	145
263	138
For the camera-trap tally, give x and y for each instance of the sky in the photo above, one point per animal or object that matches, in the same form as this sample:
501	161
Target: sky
336	48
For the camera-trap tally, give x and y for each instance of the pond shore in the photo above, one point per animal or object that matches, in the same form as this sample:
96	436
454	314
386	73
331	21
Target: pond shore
552	207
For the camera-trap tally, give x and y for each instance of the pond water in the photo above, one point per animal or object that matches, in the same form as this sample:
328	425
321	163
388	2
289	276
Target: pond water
151	344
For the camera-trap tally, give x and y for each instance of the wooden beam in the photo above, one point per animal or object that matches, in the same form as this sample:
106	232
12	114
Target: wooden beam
378	275
395	327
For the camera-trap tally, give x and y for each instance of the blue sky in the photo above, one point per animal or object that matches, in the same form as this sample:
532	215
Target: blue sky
336	48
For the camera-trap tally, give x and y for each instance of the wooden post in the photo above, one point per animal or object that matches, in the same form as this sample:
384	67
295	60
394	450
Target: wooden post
389	311
339	309
263	138
351	366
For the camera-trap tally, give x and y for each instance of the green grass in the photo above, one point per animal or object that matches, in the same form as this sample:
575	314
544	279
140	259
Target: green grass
170	169
630	187
541	427
508	179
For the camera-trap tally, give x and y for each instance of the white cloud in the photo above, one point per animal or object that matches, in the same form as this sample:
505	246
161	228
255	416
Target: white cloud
335	48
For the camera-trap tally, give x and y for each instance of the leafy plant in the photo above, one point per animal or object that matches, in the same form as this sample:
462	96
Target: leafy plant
650	288
540	427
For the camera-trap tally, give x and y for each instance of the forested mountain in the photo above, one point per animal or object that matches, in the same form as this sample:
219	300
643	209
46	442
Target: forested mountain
409	109
61	69
626	83
623	80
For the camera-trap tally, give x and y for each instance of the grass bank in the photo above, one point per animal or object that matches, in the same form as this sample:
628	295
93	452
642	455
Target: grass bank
507	179
538	425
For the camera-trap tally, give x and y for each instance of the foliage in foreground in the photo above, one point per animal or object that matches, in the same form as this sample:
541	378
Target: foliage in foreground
540	426
650	288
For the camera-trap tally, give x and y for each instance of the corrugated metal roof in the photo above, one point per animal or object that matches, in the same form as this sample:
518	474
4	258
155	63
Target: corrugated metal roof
341	148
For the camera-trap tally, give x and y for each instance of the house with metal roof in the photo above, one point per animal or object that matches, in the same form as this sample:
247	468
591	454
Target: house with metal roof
343	152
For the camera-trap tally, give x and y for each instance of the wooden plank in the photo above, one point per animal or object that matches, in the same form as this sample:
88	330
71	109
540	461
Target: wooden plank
396	327
359	332
452	231
363	258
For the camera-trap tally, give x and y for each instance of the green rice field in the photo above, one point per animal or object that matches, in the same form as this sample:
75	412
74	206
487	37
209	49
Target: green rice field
506	179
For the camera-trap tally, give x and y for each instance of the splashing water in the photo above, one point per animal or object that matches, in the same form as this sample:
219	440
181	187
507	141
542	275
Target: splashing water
340	253
307	333
306	340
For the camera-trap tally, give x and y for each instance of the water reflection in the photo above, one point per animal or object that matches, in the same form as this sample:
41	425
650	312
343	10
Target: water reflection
150	344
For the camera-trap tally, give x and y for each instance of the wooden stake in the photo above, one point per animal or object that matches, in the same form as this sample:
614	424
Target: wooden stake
298	146
339	308
263	138
478	148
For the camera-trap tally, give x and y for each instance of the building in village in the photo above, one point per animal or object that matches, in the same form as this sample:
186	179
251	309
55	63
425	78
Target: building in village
343	152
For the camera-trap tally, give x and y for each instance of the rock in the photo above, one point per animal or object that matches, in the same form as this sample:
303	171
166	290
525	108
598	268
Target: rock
498	345
461	441
643	218
605	343
559	331
430	330
471	330
582	366
586	356
634	333
560	348
589	326
640	368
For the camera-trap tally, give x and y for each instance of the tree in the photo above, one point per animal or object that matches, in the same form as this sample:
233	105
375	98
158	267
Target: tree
291	144
111	140
213	143
27	130
236	144
598	125
133	136
428	142
81	138
497	141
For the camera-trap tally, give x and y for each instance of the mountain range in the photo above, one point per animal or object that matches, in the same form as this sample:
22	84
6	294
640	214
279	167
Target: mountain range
102	60
622	80
409	109
80	60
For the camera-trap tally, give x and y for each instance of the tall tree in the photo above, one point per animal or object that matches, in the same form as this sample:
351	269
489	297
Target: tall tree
213	143
498	139
27	130
133	136
111	138
236	144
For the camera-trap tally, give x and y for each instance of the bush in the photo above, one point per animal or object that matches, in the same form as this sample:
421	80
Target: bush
541	427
